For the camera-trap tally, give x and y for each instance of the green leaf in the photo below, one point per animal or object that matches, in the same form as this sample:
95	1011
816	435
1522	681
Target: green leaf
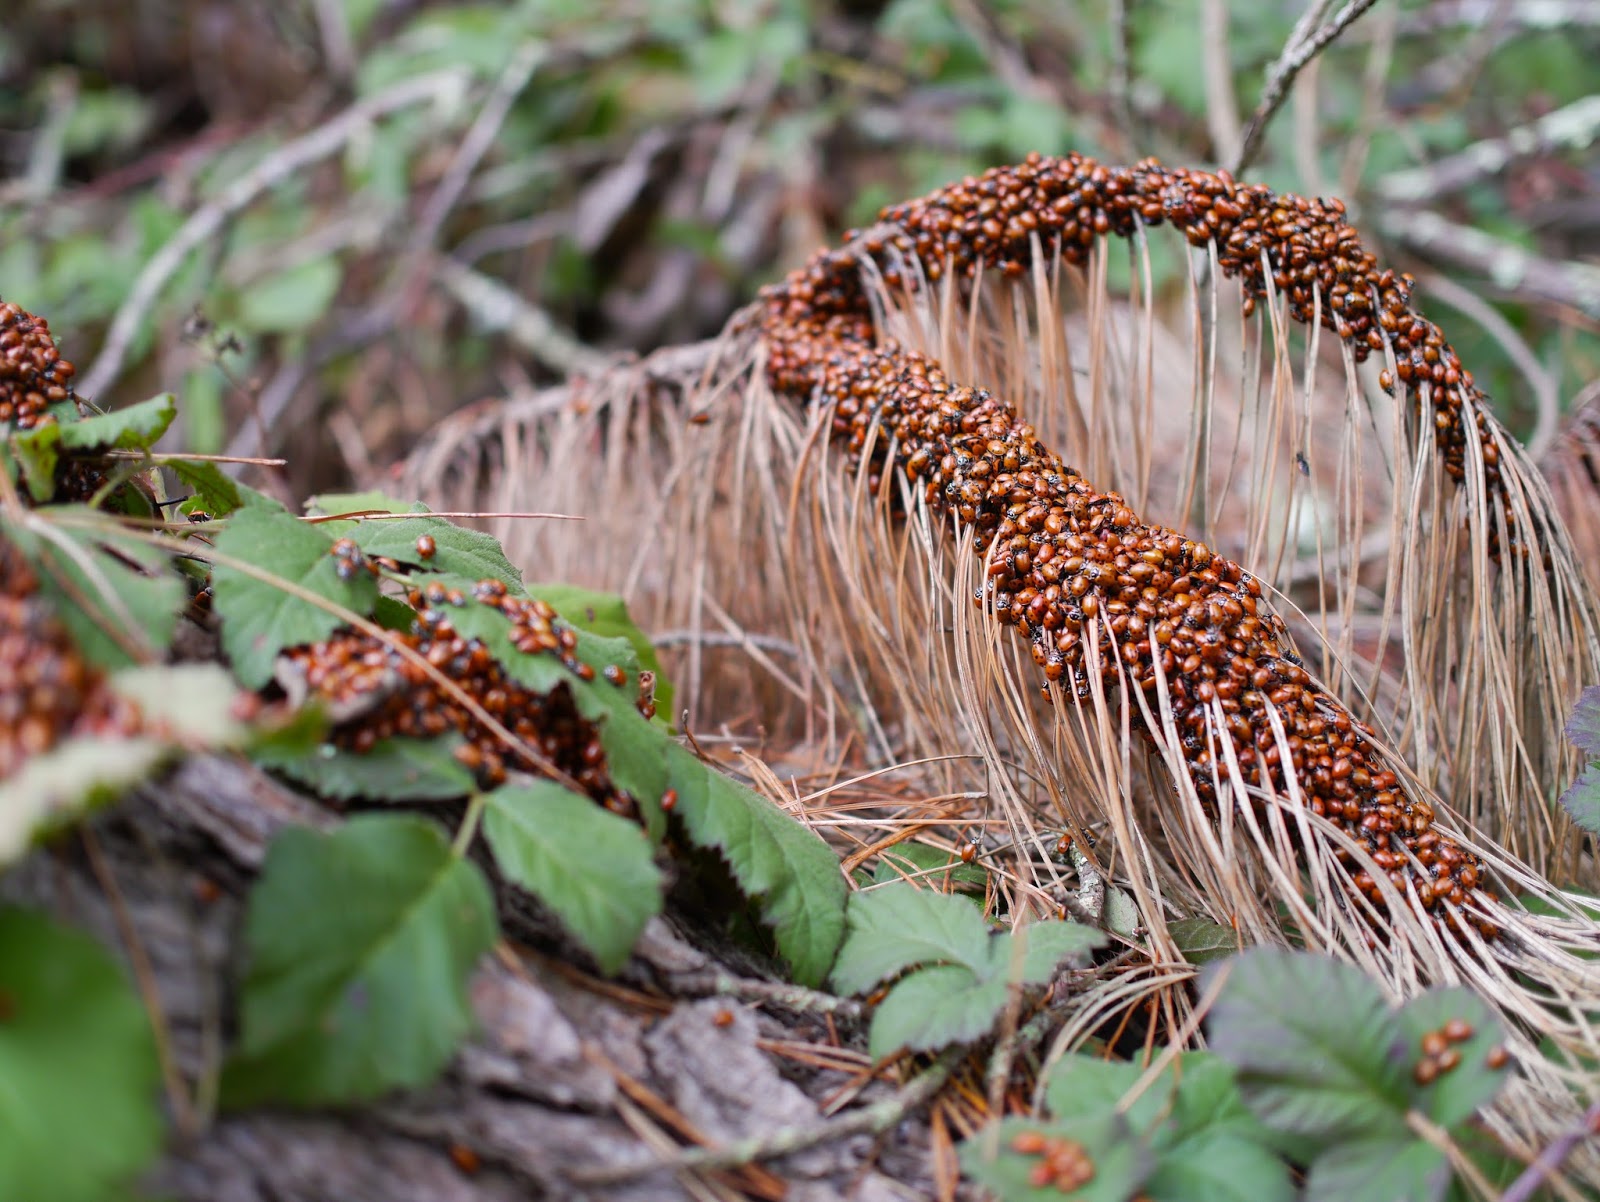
934	1007
78	1104
591	867
468	553
214	492
189	704
330	503
259	618
636	752
1050	942
119	608
134	428
898	926
1310	1038
1120	1159
1379	1168
1201	941
1583	728
1221	1167
931	865
774	859
1459	1093
361	943
291	300
1582	799
397	769
1082	1085
606	614
37	451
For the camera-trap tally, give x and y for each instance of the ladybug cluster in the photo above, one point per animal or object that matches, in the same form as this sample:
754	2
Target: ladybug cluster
1439	1053
1064	1164
1303	249
47	691
384	693
32	375
1169	617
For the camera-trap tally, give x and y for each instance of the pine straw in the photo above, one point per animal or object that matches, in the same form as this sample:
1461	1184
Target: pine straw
843	635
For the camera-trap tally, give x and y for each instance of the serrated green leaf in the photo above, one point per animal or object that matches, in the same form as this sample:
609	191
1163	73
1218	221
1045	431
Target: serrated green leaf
329	503
1380	1168
189	704
591	867
1321	1071
636	752
1048	943
74	775
393	614
37	451
931	865
540	671
259	618
1120	1159
1081	1086
1201	941
397	769
361	943
935	1007
1582	799
898	926
774	859
457	550
119	608
1459	1093
214	492
1220	1167
136	427
291	300
606	614
1583	728
78	1112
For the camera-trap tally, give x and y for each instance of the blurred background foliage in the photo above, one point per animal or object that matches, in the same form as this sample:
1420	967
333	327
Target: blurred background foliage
415	205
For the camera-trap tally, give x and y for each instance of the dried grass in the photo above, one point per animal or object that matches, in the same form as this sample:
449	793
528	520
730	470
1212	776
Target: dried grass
838	626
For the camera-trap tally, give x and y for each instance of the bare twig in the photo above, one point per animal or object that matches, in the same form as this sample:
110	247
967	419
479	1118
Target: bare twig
1121	82
1431	18
497	308
1573	127
879	1116
1507	266
206	221
1300	49
1222	107
1551	1158
485	128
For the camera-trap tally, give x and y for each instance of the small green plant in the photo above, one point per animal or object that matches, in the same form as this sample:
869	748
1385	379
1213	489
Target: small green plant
359	941
1311	1073
958	972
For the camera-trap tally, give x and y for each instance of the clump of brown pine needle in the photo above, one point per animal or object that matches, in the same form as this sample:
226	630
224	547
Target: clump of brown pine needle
1421	565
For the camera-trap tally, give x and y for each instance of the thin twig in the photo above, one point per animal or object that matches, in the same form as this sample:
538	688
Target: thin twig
496	308
1216	59
1297	52
1573	127
479	137
183	1114
878	1117
1552	1156
1121	82
796	999
1507	266
206	221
